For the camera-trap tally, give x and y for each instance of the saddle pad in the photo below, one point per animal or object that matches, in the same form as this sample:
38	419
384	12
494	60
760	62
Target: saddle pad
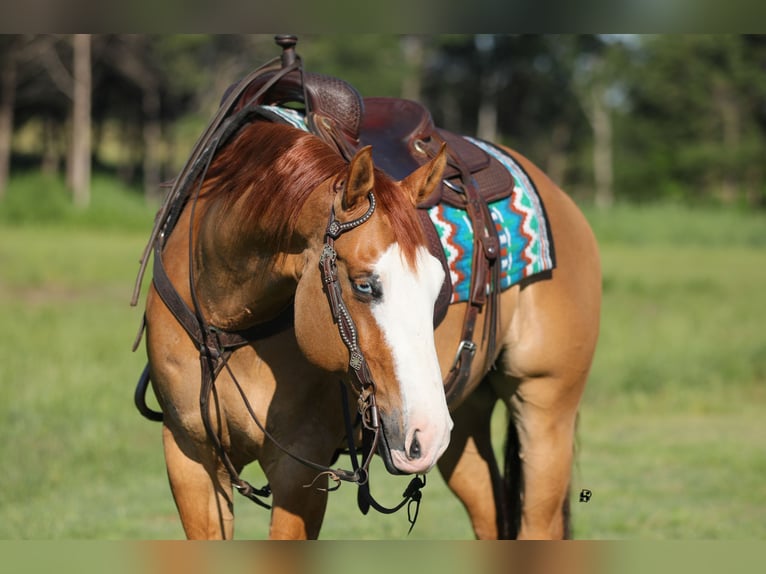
290	116
526	246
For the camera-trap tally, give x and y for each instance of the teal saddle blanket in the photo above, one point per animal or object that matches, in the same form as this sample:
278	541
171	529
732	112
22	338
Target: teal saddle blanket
526	244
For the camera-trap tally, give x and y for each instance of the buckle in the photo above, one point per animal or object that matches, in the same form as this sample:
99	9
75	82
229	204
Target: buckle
456	187
470	346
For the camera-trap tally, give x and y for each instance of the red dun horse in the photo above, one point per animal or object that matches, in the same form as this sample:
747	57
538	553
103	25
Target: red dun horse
280	225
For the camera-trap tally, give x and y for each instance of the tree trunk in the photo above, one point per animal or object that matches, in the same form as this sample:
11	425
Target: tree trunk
80	158
556	164
413	51
602	149
7	100
726	101
152	135
51	148
486	127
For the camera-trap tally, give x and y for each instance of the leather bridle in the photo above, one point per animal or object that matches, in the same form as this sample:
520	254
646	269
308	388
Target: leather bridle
357	364
367	406
216	346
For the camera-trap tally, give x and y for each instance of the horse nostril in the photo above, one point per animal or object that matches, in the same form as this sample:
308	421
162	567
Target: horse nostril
414	451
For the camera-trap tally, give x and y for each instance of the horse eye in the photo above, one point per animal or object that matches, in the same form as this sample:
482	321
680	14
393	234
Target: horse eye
363	287
368	288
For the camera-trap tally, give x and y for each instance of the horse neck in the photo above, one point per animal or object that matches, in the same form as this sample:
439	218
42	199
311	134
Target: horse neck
241	283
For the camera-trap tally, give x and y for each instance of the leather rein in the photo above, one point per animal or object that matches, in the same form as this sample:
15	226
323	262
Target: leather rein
216	346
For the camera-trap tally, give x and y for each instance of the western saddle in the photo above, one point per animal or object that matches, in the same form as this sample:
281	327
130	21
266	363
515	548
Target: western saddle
403	137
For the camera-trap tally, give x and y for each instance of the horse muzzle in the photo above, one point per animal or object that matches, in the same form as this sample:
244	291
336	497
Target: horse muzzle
415	451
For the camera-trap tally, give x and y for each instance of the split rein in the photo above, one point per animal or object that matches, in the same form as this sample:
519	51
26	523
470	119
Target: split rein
214	357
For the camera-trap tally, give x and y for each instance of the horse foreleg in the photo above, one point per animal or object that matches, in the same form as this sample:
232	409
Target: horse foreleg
469	466
201	488
299	500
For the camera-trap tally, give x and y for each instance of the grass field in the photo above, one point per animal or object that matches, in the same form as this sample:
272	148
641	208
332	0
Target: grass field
672	440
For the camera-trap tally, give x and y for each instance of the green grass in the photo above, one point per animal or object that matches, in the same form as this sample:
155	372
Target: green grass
671	438
36	199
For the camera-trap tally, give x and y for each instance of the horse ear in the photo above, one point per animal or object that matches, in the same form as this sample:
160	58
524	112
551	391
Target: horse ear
361	179
423	181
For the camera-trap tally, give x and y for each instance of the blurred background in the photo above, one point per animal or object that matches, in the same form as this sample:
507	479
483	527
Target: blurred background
609	117
660	139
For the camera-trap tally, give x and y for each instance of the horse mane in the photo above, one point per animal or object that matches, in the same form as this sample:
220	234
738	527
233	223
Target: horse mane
278	167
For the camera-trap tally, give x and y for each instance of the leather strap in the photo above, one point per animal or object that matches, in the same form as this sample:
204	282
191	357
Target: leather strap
484	277
188	320
179	191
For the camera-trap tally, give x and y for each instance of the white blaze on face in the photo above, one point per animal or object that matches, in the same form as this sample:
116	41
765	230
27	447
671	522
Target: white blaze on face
405	317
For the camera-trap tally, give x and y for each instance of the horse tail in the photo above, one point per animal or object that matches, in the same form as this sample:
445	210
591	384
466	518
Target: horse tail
513	481
566	510
139	397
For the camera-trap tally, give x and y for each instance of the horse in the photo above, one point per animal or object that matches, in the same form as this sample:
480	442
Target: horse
318	268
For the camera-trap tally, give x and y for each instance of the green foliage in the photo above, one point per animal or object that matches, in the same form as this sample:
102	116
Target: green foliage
687	113
372	63
693	128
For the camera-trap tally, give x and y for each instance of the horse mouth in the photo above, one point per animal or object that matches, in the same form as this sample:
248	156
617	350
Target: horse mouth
413	450
384	451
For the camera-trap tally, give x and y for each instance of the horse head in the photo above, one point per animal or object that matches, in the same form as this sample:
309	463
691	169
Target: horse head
388	283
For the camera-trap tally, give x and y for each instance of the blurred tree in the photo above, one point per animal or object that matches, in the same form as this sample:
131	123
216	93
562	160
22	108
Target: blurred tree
609	118
372	63
694	131
9	47
153	85
597	85
516	89
414	54
79	166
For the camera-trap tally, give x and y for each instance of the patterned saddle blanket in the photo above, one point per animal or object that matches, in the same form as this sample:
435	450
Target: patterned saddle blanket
526	245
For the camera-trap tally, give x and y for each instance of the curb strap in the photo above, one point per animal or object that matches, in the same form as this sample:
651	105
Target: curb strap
412	495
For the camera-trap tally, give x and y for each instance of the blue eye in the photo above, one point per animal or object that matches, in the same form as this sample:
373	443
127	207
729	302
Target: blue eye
368	288
363	287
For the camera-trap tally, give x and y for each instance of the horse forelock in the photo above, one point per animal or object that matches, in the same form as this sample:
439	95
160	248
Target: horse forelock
405	225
